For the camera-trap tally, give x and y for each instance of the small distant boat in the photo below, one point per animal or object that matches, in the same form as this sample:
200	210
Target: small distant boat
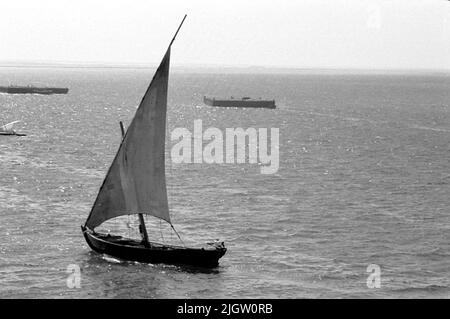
7	129
136	184
243	102
30	89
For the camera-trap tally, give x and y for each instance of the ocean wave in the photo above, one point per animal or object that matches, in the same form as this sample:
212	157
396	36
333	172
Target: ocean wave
424	288
436	252
428	128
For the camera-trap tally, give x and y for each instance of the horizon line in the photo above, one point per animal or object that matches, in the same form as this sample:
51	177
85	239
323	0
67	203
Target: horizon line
150	65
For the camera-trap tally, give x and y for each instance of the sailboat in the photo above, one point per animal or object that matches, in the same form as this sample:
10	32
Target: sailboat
7	129
135	184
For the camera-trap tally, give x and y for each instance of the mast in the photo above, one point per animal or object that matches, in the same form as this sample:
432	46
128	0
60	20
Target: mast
142	228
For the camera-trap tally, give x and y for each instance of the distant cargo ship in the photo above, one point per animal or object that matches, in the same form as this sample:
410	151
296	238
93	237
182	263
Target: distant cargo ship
14	89
243	102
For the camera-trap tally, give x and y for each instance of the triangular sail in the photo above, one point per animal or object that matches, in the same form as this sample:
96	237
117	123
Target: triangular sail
135	182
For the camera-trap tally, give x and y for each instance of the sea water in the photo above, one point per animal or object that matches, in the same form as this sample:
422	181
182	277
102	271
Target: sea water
363	182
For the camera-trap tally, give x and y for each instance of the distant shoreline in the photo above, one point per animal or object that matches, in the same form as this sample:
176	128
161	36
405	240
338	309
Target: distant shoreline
222	69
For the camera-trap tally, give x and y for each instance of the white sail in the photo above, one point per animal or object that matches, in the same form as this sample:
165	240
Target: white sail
136	182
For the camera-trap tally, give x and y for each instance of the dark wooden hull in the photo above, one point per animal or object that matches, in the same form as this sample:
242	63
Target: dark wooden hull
32	90
243	103
132	250
12	134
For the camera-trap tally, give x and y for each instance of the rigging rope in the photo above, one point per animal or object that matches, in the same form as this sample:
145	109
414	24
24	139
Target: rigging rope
177	234
160	231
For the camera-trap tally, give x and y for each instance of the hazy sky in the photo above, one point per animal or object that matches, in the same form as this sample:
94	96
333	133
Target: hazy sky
283	33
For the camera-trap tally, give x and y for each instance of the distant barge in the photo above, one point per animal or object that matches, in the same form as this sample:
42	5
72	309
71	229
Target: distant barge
13	89
243	102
